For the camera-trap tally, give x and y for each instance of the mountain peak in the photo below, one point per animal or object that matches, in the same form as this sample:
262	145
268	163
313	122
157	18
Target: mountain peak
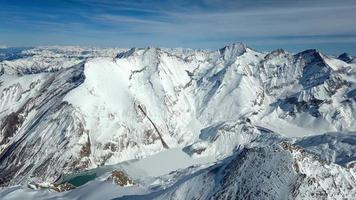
275	53
309	52
126	54
233	50
310	55
345	57
135	50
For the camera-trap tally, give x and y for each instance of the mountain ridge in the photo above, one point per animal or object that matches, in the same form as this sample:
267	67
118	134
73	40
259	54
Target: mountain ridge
80	109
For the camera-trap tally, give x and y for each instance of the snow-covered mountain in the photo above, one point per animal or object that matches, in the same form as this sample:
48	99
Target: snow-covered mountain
235	123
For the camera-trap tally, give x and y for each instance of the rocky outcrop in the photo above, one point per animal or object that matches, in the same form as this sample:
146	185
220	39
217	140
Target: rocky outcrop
120	178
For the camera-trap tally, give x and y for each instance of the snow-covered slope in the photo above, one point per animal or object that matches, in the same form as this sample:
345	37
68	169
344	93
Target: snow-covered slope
64	110
281	172
338	148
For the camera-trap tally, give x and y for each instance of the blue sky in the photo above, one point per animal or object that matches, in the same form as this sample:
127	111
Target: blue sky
328	25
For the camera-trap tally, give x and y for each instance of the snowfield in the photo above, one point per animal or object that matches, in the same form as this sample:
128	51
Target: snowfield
157	123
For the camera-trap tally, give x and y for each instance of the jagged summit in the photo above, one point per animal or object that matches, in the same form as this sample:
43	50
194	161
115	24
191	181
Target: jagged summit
274	53
345	57
127	53
233	50
309	53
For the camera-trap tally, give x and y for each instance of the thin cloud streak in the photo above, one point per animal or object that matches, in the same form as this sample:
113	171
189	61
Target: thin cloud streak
175	23
255	23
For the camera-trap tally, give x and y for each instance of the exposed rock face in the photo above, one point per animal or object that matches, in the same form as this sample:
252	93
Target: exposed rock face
54	187
28	132
346	57
63	187
9	126
120	178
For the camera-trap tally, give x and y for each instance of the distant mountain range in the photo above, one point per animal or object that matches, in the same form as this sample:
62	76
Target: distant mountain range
157	123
